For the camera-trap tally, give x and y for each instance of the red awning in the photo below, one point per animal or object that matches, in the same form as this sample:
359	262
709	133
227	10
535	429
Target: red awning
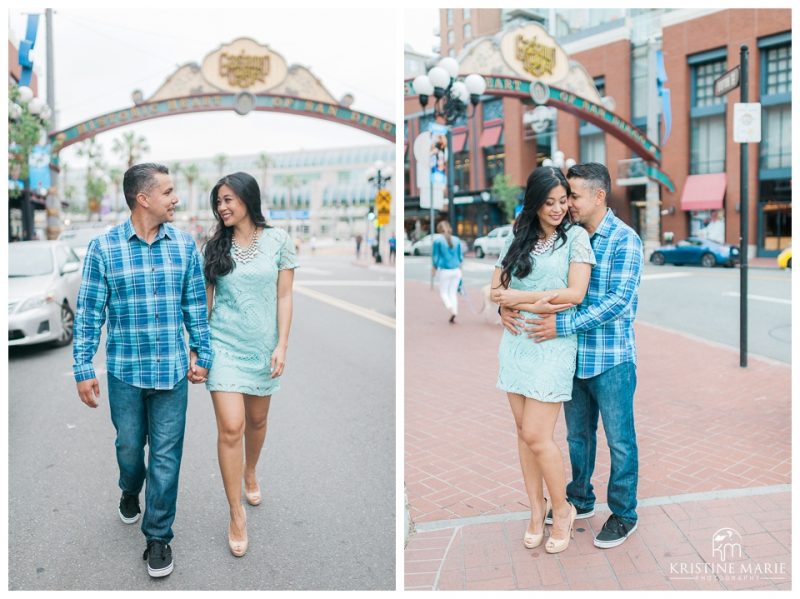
491	133
459	139
703	192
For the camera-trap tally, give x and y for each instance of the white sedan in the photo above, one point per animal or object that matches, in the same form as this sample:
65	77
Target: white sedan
43	282
424	247
493	242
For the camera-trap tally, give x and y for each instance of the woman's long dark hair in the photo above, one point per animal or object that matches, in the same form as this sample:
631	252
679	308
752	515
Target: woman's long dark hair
527	230
217	252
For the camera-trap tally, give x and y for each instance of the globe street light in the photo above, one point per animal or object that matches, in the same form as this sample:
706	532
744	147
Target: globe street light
380	175
452	100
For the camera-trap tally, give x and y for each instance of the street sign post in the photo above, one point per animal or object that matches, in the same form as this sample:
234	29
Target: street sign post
727	82
744	218
747	123
383	203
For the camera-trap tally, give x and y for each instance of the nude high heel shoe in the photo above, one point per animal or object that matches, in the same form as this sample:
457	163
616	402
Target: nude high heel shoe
238	548
554	545
531	540
254	497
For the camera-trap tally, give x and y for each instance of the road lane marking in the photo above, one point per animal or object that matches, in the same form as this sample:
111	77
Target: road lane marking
345	283
372	315
763	298
666	275
315	271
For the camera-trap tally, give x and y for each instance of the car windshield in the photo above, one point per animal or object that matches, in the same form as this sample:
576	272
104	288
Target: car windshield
26	260
78	238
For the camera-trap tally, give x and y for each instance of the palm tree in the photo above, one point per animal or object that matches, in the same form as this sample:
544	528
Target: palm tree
264	162
116	180
95	183
221	160
130	147
190	173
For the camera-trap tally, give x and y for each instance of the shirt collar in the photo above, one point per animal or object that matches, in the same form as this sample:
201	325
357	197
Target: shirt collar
164	230
605	226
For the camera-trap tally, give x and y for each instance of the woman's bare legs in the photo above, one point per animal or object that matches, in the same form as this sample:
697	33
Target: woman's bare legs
230	412
256	413
531	474
538	424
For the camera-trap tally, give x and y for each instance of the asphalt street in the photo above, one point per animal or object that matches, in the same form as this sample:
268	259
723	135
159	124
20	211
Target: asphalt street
703	302
327	469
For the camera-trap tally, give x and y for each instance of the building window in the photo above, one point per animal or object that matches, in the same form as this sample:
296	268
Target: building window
452	52
593	148
461	171
779	70
449	16
639	80
466	13
451	37
708	145
492	109
495	163
776	137
707	142
467	31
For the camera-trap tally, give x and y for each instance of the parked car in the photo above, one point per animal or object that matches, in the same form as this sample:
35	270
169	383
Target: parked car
696	251
78	239
43	282
785	258
493	242
424	247
406	244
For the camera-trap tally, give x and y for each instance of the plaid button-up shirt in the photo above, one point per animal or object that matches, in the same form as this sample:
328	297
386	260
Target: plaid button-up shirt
604	320
148	293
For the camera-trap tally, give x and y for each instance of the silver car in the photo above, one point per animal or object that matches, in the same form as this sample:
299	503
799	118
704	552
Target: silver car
78	239
43	282
424	247
493	242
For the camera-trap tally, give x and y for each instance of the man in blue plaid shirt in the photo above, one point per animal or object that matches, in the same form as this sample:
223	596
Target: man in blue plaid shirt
144	277
605	377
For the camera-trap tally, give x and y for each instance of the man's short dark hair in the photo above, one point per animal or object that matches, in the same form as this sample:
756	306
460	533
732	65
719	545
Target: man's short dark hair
140	178
595	174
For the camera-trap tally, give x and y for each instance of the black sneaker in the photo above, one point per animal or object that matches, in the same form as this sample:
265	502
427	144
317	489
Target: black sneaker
614	532
129	508
582	514
159	558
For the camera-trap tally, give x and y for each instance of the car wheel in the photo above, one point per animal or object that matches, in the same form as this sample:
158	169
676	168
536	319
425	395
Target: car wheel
416	251
658	259
67	326
789	264
708	260
479	252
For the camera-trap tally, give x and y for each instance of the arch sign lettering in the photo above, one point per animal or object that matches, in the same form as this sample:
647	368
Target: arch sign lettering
241	76
528	63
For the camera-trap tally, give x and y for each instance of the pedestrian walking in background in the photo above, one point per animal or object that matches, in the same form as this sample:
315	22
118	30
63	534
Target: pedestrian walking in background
605	377
392	249
144	278
359	239
249	270
447	258
545	260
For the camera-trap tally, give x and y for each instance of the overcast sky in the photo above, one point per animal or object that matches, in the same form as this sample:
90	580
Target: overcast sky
102	55
420	24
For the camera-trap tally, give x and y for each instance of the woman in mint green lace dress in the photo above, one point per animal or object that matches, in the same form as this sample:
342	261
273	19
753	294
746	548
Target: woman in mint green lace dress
545	263
249	269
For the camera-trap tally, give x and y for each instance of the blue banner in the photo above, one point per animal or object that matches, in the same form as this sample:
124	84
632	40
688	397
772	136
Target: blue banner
39	168
664	94
25	47
439	151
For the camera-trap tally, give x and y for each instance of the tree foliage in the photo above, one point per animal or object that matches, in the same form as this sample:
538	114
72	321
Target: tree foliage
507	194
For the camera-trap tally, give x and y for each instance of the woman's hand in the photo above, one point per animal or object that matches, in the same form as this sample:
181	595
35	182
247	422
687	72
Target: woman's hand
278	361
507	297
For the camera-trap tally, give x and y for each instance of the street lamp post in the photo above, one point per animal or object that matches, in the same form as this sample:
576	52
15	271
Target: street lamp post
452	100
380	175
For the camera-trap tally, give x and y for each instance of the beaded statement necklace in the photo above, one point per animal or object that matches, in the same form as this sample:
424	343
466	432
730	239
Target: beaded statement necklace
245	254
542	245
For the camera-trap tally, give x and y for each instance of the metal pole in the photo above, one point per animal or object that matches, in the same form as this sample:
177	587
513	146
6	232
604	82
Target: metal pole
652	213
744	220
451	205
433	212
53	199
551	29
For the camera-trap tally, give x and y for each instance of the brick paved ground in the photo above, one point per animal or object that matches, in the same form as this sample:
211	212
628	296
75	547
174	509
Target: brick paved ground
703	425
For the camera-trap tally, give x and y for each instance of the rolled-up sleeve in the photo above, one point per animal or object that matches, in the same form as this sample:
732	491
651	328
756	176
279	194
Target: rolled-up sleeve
90	312
194	307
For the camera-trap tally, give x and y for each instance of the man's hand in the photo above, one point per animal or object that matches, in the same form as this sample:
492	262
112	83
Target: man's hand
512	320
196	374
89	391
278	361
541	329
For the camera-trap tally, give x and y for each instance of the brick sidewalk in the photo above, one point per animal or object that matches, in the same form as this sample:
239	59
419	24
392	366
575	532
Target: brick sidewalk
701	422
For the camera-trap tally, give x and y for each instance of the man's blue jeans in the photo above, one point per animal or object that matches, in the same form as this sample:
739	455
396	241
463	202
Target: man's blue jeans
610	395
157	418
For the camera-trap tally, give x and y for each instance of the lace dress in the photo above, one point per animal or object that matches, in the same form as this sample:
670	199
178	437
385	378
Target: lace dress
543	370
244	318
